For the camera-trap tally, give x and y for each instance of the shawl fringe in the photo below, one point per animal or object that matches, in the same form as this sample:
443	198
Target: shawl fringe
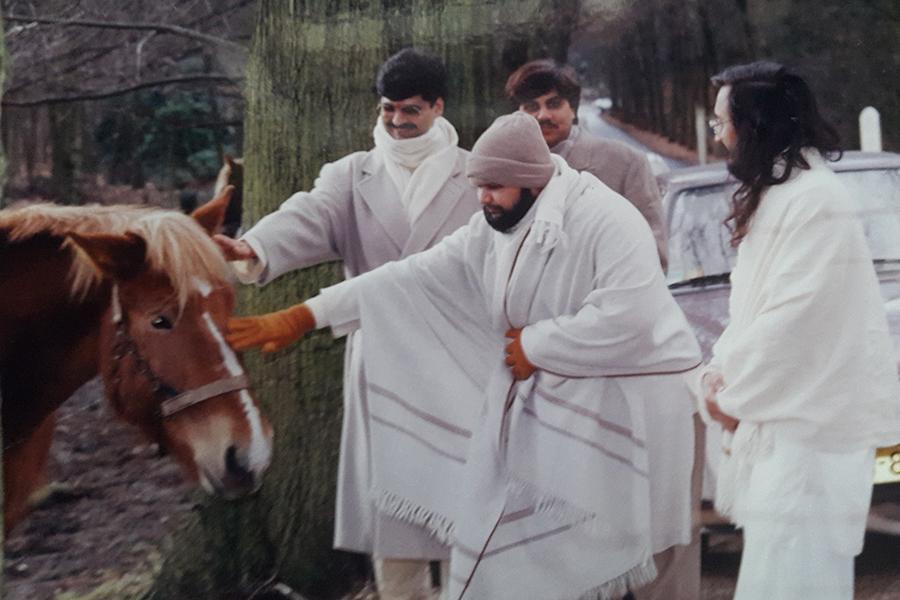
553	506
616	588
748	445
397	507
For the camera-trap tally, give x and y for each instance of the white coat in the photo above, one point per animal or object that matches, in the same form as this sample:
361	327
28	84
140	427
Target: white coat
354	214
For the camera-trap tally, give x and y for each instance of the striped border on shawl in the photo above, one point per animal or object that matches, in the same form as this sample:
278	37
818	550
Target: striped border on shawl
474	554
599	448
416	437
589	414
426	416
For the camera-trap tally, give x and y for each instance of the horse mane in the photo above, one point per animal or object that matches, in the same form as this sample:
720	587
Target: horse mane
176	244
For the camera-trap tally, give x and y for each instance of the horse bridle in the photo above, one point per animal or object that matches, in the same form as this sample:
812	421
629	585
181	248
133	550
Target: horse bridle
125	345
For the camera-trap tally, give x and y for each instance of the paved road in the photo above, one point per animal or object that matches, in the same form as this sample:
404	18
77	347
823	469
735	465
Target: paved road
589	118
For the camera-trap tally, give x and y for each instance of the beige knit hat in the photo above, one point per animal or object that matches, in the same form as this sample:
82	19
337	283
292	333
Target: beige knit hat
512	152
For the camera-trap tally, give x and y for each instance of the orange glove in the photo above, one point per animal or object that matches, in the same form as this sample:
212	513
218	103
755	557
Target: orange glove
515	356
272	331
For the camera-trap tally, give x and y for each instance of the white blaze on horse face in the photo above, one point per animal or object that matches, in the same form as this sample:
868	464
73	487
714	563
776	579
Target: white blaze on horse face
260	451
203	287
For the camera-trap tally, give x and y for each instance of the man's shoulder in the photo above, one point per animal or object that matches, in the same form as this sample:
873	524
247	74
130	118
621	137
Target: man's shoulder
356	159
597	202
607	159
600	146
352	165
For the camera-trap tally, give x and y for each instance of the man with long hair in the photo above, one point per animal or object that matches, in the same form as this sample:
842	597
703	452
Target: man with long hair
803	377
367	209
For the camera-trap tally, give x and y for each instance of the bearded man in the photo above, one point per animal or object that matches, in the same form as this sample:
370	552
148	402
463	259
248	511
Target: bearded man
509	370
367	209
550	92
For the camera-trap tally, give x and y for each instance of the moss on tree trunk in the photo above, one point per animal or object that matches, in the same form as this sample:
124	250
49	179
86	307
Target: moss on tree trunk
310	101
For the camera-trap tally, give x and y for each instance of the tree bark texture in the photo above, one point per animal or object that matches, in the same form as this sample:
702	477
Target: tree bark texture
310	100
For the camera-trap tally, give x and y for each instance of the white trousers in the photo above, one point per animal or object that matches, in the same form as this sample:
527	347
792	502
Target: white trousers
399	579
804	566
678	567
803	512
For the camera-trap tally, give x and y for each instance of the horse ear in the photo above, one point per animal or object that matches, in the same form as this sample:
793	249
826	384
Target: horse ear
116	256
229	160
211	215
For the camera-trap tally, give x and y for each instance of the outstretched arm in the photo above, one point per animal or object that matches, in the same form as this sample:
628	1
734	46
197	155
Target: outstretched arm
271	331
307	229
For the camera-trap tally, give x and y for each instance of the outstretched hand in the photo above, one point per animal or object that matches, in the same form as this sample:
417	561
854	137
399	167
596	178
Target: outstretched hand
515	356
234	249
271	331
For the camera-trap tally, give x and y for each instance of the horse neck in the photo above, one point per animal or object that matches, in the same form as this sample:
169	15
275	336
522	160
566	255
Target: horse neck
43	330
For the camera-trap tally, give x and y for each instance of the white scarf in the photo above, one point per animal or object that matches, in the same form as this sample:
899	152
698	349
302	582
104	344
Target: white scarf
418	166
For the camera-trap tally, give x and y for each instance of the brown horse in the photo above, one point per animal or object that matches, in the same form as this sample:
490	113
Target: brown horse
232	173
142	297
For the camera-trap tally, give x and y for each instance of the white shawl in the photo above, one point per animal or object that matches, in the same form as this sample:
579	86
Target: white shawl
555	466
418	166
807	354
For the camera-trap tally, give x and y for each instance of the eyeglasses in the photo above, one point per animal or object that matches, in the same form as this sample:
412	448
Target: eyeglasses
716	125
410	110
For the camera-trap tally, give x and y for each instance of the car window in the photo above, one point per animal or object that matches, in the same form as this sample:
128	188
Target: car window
877	193
699	243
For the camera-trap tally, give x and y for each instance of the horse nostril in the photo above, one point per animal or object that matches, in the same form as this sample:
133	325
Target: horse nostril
236	468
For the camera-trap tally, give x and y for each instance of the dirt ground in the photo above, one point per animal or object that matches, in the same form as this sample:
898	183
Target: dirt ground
112	501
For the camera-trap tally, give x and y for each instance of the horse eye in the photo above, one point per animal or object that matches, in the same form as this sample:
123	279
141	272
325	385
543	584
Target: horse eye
161	322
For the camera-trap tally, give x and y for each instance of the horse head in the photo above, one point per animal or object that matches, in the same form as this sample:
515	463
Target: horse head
165	363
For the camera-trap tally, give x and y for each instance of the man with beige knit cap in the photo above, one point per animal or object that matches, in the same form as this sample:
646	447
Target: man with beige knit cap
550	92
509	370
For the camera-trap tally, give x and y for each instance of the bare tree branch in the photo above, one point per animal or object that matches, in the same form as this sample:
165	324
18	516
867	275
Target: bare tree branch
157	27
122	91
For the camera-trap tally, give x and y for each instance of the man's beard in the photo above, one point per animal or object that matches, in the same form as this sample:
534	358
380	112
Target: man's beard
510	218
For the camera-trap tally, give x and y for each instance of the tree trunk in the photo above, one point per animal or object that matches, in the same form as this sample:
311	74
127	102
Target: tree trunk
309	101
63	127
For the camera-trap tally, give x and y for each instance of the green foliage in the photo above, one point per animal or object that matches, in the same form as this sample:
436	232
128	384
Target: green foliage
170	138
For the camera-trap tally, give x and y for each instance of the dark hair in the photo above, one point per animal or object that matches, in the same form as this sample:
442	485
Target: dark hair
412	72
510	218
775	116
538	77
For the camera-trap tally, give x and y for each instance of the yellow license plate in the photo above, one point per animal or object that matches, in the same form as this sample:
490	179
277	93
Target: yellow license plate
887	465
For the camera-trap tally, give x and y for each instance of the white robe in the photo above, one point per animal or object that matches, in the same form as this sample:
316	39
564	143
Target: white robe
807	359
354	213
542	485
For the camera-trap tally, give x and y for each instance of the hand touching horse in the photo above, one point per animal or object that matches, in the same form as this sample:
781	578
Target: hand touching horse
142	297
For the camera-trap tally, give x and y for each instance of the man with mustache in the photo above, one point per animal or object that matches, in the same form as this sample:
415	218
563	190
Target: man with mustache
510	369
550	92
367	209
